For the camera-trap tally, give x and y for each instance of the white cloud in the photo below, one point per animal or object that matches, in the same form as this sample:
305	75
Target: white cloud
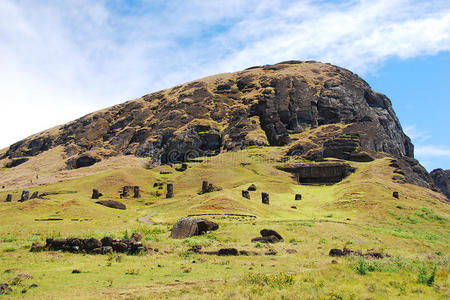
62	59
416	135
431	150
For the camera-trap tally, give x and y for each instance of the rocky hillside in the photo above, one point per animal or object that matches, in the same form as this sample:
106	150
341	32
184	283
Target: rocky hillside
291	102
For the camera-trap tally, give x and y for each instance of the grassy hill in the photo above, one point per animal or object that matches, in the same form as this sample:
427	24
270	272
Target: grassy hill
359	213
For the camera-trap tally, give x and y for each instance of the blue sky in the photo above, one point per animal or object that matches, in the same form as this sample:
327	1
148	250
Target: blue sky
63	59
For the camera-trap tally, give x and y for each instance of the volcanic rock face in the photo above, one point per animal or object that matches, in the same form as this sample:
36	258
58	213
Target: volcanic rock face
226	112
442	180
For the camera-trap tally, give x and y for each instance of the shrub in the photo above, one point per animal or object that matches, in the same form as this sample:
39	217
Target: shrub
8	238
361	266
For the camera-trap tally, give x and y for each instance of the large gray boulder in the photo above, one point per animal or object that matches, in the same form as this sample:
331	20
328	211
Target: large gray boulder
187	227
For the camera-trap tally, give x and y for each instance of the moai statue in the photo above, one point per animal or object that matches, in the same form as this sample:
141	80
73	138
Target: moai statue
169	190
265	197
137	192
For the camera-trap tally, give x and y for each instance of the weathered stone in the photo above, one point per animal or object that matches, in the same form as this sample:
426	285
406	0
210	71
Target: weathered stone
91	244
137	192
125	191
298	196
34	195
169	190
252	188
119	247
184	228
107	241
228	252
96	194
136	237
25	195
441	179
265	198
112	204
55	244
205	187
245	194
395	195
336	252
8	198
270	232
266	239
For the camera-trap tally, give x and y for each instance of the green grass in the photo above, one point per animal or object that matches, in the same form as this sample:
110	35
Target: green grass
358	213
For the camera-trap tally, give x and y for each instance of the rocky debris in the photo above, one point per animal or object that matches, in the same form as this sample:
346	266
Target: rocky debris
136	192
245	194
319	173
265	198
76	271
208	187
335	252
93	246
228	252
8	198
96	194
412	172
441	179
298	196
25	195
16	162
271	252
291	251
268	236
112	204
5	289
34	195
294	207
187	227
251	188
395	195
182	168
169	190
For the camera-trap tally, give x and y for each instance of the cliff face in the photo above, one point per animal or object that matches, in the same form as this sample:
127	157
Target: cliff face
258	106
442	180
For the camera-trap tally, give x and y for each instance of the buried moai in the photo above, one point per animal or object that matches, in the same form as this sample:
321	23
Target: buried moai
246	194
34	195
298	196
265	198
125	192
8	198
395	195
96	194
169	190
136	191
25	196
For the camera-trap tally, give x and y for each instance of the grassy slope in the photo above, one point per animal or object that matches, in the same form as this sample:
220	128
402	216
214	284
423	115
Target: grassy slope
359	213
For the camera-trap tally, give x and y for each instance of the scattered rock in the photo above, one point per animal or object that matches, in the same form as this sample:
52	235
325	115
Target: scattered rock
252	187
206	225
34	195
136	237
91	244
107	241
265	198
334	262
395	195
245	194
265	239
346	252
291	251
271	252
5	289
228	251
25	195
336	252
270	232
298	196
34	285
294	207
96	194
76	271
112	204
8	198
169	190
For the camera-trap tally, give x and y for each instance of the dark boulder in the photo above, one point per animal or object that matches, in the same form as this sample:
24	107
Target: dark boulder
266	239
55	244
112	204
245	194
34	195
106	250
228	252
184	228
16	162
336	252
8	198
269	232
298	196
91	244
395	195
119	247
265	198
107	241
96	194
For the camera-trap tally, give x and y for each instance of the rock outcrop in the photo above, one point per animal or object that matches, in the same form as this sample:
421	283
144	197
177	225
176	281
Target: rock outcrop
187	227
257	106
441	179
